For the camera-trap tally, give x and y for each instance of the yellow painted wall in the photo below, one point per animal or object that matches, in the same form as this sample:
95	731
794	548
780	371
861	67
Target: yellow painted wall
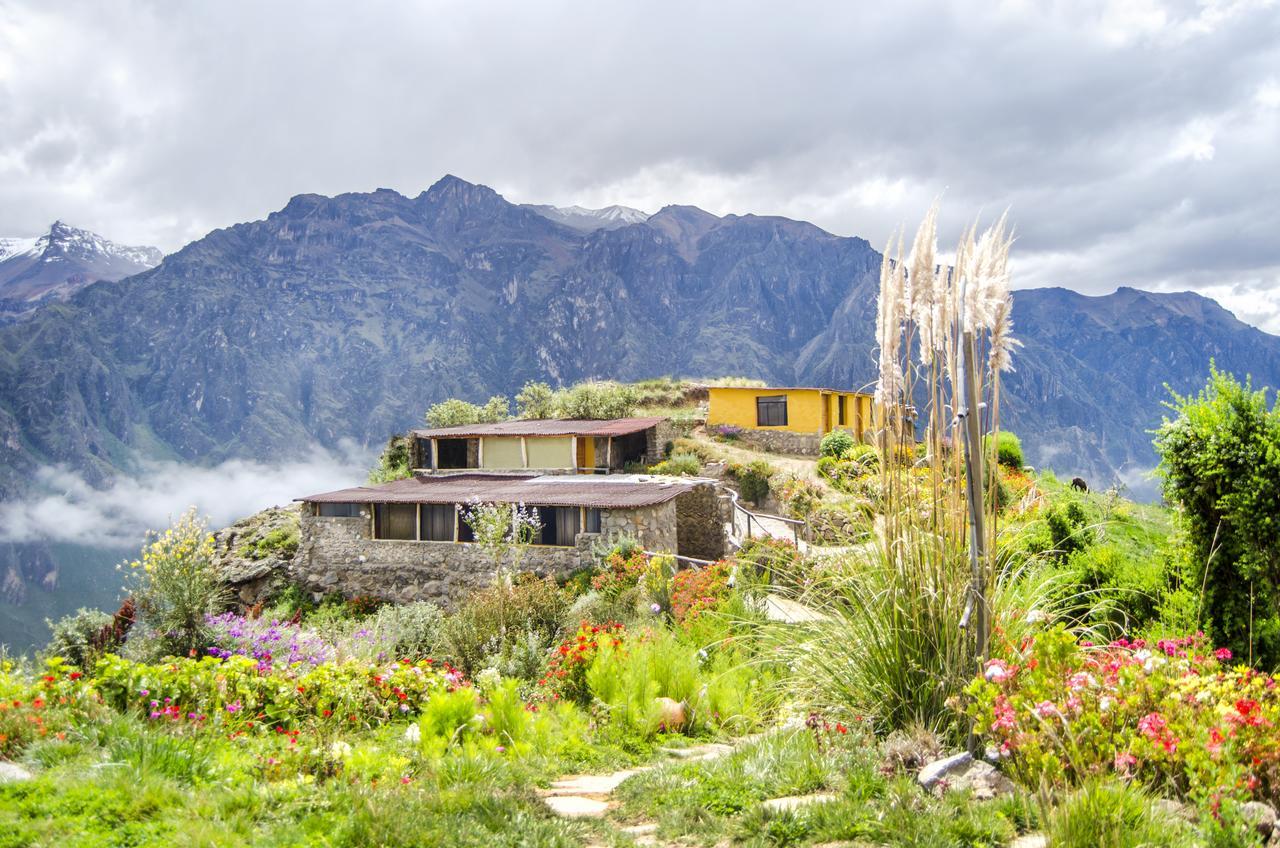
501	452
808	410
550	451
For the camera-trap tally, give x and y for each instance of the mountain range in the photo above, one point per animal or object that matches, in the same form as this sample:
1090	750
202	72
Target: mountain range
55	265
345	317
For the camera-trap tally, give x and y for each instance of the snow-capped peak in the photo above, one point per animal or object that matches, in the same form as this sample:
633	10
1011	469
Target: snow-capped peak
62	261
581	218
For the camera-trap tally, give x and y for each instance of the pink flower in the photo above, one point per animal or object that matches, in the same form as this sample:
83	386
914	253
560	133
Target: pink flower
1125	761
1152	725
1046	709
1223	654
996	671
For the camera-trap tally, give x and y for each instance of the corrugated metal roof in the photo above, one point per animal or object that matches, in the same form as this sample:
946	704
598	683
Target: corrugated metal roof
607	492
792	389
543	427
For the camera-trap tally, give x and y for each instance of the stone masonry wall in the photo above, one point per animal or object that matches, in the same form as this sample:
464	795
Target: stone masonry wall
701	517
653	526
338	555
783	441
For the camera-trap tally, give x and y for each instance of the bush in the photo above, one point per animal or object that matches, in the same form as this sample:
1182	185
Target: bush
679	464
799	497
485	629
596	400
1007	450
1220	463
395	462
176	586
697	590
1174	713
282	541
453	412
74	636
410	630
1108	814
836	443
535	400
753	479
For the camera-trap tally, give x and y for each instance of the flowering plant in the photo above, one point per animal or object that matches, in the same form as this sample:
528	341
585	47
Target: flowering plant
240	694
1173	713
620	572
566	675
49	705
696	590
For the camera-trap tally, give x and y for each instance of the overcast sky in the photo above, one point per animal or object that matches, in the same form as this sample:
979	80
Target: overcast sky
1136	142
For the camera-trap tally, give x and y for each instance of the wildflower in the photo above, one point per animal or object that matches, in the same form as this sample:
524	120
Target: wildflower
996	671
655	608
1045	709
1223	654
1125	761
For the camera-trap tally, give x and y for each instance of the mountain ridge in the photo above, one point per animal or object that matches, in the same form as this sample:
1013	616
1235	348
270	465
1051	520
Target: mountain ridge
344	317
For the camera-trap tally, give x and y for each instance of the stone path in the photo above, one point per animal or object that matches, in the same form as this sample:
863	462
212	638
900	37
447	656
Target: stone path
589	796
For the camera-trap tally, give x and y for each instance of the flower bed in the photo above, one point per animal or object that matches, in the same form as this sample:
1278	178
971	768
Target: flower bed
1175	714
240	693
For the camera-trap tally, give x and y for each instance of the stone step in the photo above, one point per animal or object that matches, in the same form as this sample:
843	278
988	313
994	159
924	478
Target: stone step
795	802
590	784
576	806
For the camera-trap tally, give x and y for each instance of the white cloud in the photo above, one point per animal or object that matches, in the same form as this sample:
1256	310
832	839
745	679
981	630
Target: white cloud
1133	140
68	509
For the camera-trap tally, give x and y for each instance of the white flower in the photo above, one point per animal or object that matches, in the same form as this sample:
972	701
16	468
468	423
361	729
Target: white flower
412	734
1035	616
341	750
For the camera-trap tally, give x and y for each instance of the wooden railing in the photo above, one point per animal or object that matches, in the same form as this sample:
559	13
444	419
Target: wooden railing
749	521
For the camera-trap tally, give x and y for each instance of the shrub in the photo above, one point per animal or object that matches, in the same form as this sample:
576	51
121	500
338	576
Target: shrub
395	462
797	495
726	432
1174	713
567	669
453	412
408	630
678	465
836	443
74	636
1006	450
753	478
596	400
535	400
282	541
484	629
1220	464
176	587
697	590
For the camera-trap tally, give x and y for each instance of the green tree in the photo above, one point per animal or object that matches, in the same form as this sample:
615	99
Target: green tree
453	412
1220	464
536	400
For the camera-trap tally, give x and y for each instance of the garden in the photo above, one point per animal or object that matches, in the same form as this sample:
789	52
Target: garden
988	657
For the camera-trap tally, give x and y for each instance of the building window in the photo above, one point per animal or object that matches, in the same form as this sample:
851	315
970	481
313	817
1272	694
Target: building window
395	521
771	411
593	521
452	453
339	510
560	525
437	523
840	407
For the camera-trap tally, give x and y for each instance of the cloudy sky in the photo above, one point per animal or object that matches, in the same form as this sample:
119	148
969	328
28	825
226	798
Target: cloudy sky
1136	142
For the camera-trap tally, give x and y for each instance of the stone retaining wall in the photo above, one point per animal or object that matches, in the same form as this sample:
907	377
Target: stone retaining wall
783	441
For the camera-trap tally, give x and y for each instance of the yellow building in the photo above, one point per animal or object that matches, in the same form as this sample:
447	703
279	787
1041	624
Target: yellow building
797	410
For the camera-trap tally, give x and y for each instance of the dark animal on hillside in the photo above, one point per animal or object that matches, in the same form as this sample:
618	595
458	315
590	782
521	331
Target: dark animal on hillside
1079	483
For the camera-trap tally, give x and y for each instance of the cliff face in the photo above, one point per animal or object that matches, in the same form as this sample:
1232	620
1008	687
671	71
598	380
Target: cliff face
345	317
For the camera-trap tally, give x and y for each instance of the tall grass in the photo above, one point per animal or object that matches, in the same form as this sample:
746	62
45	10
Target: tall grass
905	618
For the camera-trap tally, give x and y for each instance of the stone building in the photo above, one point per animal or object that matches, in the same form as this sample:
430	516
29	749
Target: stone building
408	539
552	446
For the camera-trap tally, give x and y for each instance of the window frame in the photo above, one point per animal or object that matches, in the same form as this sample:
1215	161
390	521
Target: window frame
771	403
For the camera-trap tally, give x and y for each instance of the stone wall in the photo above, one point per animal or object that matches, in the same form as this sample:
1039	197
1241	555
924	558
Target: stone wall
653	526
783	441
700	523
338	555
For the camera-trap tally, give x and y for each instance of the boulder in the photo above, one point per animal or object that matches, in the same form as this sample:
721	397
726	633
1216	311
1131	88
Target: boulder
963	773
671	713
13	773
1261	815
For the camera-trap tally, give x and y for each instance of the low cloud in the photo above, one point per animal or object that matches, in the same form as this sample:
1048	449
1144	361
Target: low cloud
68	509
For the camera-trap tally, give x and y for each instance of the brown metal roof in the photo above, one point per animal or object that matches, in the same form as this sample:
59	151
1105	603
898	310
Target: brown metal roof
543	427
608	492
794	389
